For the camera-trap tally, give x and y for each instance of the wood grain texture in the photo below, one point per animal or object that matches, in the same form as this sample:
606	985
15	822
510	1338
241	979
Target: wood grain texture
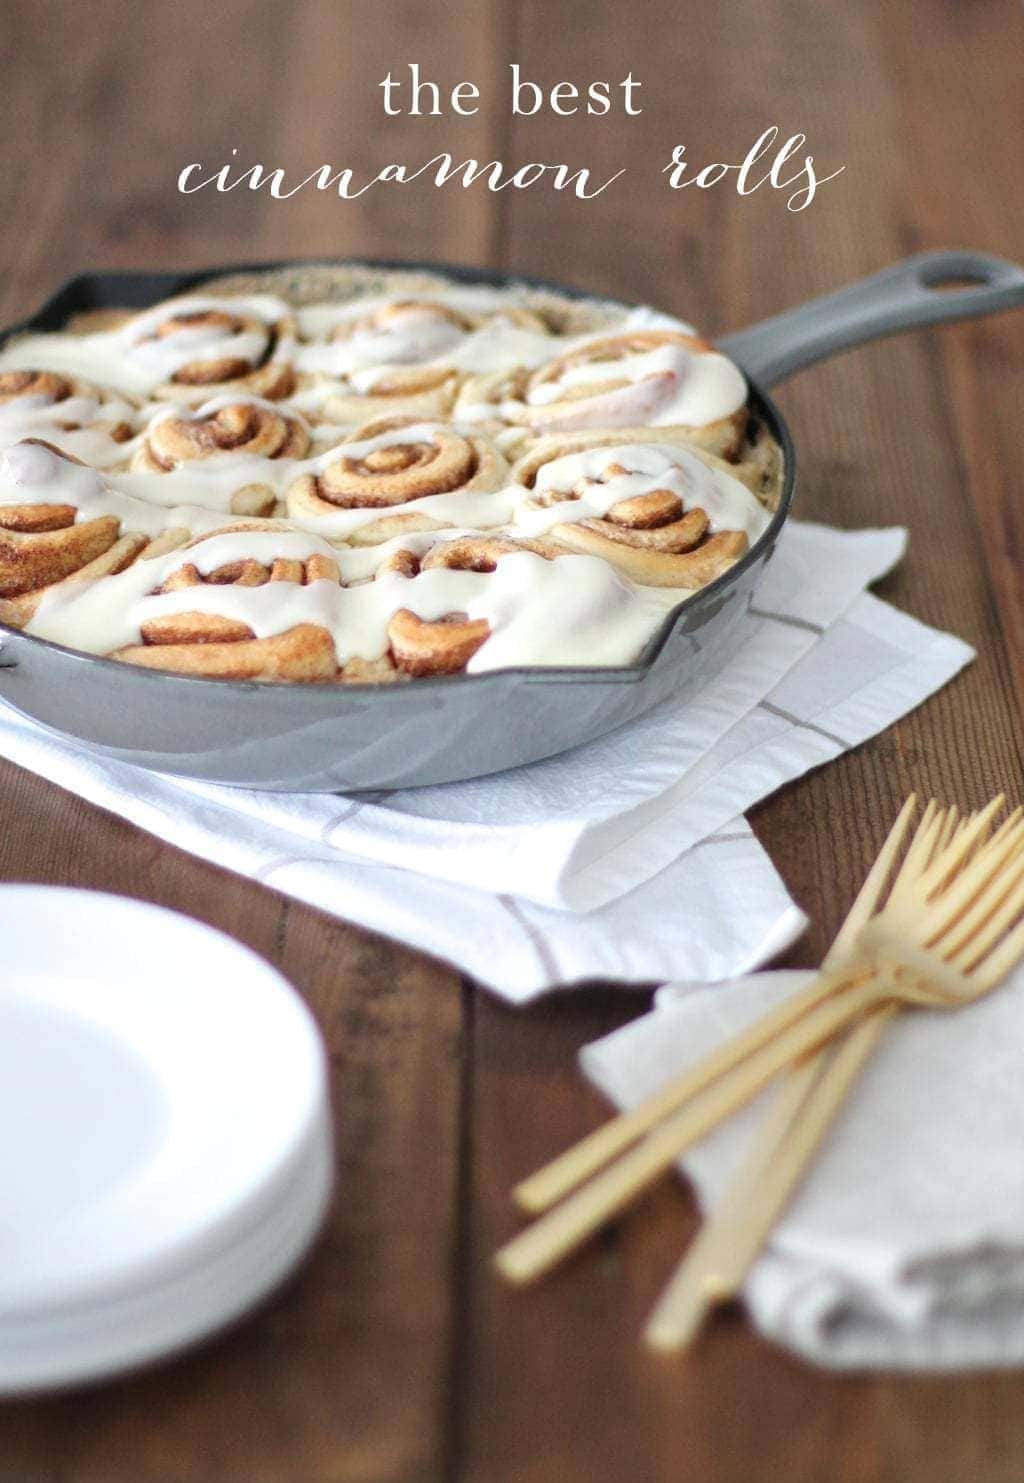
394	1355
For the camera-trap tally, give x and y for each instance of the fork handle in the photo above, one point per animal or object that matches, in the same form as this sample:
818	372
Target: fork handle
562	1229
570	1169
714	1268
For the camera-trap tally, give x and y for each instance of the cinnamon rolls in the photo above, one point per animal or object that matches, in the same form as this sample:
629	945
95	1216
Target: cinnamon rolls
359	476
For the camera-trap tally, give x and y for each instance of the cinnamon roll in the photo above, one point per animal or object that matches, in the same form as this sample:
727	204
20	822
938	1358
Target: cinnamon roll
63	522
446	644
91	422
410	356
188	348
195	637
646	378
476	603
385	362
229	429
54	529
395	476
664	514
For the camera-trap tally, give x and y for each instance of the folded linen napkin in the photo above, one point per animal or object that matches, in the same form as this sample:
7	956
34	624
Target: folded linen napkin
577	831
904	1246
824	668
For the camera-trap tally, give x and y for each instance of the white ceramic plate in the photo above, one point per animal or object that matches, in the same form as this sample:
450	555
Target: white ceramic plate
165	1157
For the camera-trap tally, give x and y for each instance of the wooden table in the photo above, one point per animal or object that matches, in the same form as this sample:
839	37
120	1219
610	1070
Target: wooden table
394	1355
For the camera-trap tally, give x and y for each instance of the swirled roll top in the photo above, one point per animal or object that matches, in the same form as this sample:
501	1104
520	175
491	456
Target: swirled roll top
652	378
196	345
182	350
225	425
410	356
237	432
664	514
424	475
88	421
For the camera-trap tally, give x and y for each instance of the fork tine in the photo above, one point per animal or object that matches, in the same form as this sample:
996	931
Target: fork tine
976	954
871	892
977	875
938	874
950	829
1005	957
919	853
1007	824
985	920
1003	864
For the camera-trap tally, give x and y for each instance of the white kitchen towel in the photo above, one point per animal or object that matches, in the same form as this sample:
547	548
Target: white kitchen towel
658	908
717	910
904	1247
579	830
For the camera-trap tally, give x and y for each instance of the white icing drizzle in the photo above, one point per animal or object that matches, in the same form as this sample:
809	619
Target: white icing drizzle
570	610
43	417
728	504
128	359
163	411
417	337
33	475
667	386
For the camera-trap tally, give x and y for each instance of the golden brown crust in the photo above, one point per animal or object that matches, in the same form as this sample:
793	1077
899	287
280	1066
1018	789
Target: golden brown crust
690	569
371	672
17	611
304	653
35	559
441	648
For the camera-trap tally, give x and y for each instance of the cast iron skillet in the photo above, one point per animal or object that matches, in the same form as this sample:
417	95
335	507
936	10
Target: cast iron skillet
342	738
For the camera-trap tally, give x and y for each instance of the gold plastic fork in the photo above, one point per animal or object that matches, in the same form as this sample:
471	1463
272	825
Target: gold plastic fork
942	938
718	1260
558	1178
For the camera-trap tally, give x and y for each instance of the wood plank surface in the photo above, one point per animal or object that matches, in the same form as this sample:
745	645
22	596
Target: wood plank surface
393	1356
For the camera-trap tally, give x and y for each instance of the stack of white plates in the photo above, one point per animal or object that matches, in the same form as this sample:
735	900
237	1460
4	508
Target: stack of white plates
165	1148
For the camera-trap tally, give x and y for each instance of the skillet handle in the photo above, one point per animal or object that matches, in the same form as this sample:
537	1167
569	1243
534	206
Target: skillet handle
903	297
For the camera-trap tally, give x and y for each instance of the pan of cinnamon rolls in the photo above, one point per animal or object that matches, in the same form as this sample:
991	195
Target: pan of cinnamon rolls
354	526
